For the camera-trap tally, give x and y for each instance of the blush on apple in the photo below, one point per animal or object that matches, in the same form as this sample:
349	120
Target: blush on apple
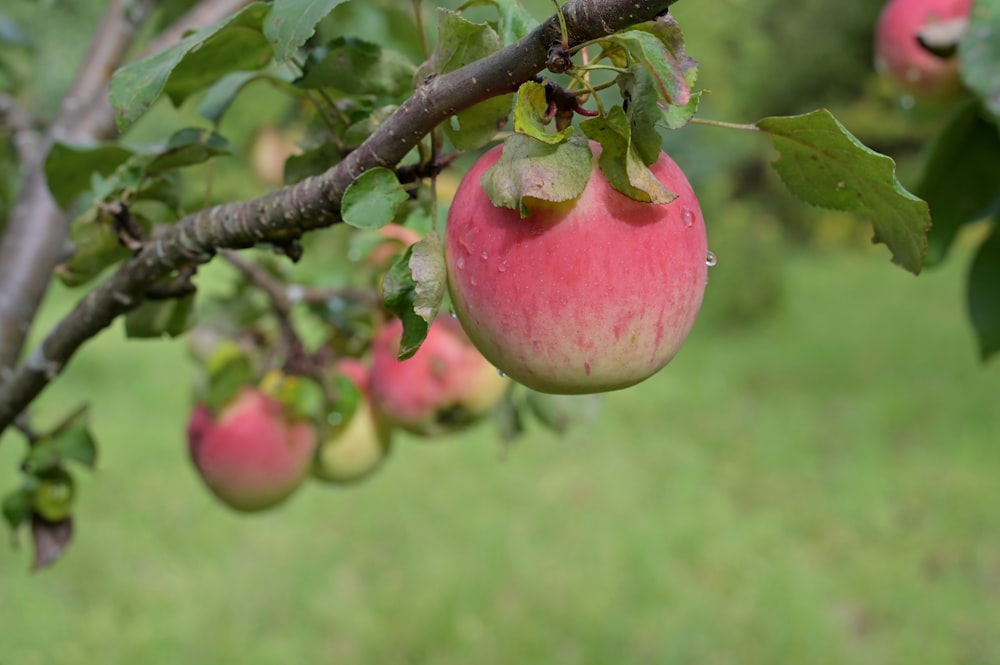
900	55
590	295
444	387
253	455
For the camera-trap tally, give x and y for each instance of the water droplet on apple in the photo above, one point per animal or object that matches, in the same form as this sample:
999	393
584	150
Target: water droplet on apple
502	267
485	255
461	263
452	312
502	374
688	216
710	259
472	281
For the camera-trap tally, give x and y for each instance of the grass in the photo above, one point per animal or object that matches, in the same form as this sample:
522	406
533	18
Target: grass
818	489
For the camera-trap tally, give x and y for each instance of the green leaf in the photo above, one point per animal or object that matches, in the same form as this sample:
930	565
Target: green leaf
196	62
531	114
515	21
961	176
979	54
652	48
643	111
348	400
223	92
187	147
620	161
77	444
983	294
825	165
461	42
16	508
311	162
229	369
358	67
68	168
370	202
160	318
530	171
95	247
302	396
675	117
291	22
413	289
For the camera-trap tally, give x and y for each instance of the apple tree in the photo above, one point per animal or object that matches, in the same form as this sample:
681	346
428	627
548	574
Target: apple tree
357	305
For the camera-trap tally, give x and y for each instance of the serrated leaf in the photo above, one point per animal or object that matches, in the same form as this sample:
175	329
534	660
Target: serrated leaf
979	54
50	539
160	318
620	162
529	170
825	165
675	117
531	114
189	146
961	176
357	67
69	169
290	23
413	289
370	202
983	294
197	61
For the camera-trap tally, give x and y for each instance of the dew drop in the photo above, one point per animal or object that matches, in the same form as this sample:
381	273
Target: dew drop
502	267
485	255
502	374
688	216
461	263
710	259
472	281
452	312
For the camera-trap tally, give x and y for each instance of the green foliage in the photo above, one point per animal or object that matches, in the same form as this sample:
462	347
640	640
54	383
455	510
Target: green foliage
291	22
825	165
371	201
414	288
158	318
531	170
984	294
979	53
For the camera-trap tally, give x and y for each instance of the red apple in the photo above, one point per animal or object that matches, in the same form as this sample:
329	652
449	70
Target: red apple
444	387
585	296
354	449
395	240
252	455
899	53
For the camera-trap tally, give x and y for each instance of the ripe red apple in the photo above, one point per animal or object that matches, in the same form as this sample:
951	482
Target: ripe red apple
584	296
444	387
252	455
354	449
899	53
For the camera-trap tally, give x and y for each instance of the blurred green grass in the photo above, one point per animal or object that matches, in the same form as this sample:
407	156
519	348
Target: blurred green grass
817	488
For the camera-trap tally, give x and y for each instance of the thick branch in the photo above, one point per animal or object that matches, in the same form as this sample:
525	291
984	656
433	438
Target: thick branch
315	202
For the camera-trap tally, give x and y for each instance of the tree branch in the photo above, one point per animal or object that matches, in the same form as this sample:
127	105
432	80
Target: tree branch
315	202
35	240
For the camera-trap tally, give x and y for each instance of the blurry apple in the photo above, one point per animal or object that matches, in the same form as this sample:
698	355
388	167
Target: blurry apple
253	455
354	449
931	76
585	296
395	240
446	386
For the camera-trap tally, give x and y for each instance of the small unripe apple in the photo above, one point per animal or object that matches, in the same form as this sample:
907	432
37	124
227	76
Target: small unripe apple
900	54
253	455
355	448
446	386
585	296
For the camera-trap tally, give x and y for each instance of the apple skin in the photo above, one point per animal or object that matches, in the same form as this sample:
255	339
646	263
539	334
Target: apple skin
585	296
252	456
358	447
446	385
899	54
